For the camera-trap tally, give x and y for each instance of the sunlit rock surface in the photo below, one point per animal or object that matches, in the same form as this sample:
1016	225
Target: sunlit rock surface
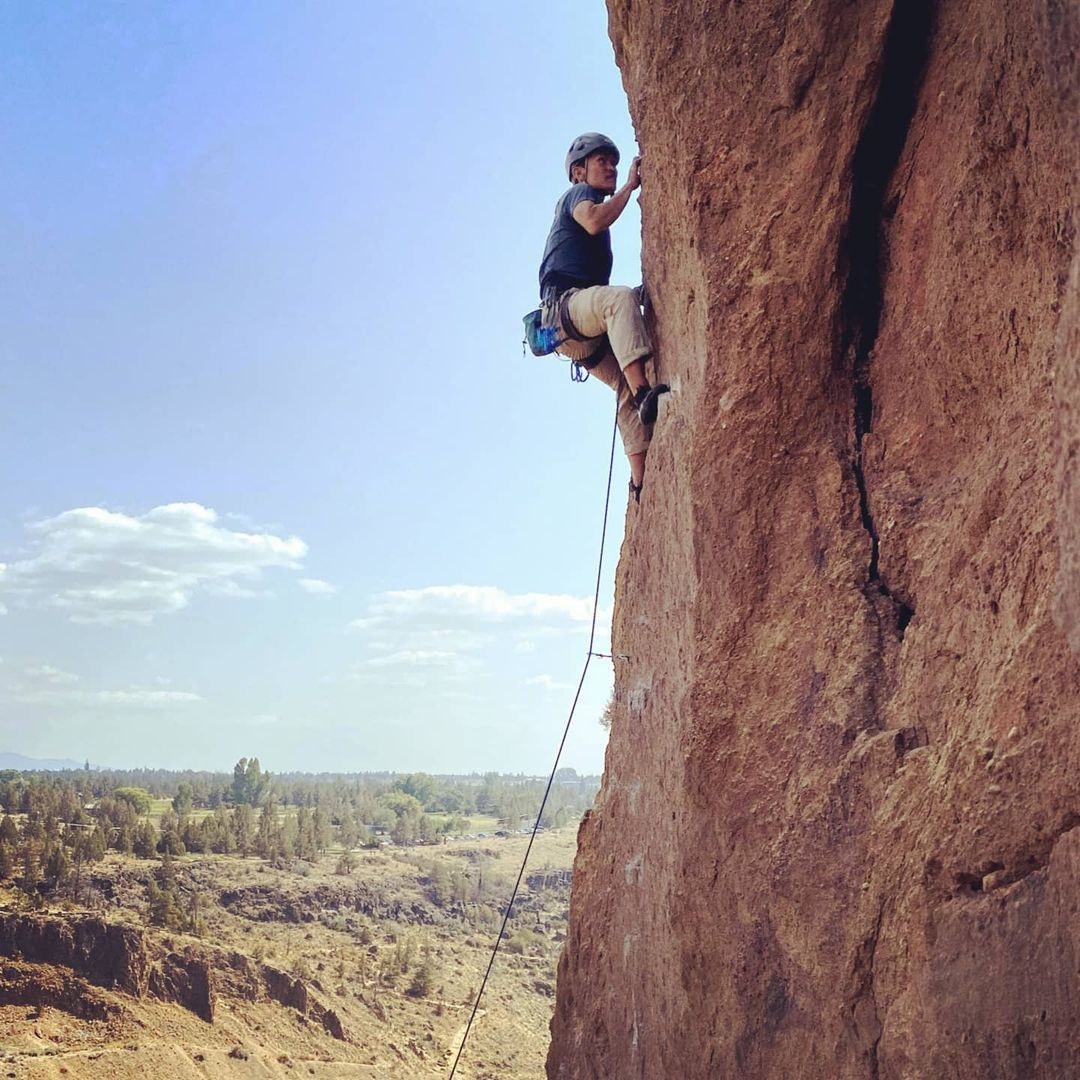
835	836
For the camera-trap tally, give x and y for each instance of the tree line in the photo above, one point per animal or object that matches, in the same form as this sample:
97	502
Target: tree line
55	824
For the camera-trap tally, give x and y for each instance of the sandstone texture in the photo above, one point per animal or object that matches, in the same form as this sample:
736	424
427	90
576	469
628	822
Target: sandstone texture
1061	37
837	836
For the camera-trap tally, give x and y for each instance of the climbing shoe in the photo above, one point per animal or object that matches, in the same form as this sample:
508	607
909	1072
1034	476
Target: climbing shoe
635	491
647	400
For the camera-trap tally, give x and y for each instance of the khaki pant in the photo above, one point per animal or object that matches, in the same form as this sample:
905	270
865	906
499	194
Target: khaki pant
612	310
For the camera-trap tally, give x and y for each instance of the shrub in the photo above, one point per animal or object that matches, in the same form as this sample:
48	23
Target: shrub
423	980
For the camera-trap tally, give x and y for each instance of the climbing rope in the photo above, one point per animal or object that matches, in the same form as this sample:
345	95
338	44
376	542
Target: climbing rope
558	754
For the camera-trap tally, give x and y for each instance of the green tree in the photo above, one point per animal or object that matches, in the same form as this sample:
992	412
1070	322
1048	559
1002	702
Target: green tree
138	797
439	883
423	980
196	924
220	835
165	907
400	803
183	801
322	834
243	828
250	783
488	793
348	832
420	786
98	845
88	846
305	834
9	831
405	829
269	839
57	866
456	824
7	861
170	842
459	887
144	840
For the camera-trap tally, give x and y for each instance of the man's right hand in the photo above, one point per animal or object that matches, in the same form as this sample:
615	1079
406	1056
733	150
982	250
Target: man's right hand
594	218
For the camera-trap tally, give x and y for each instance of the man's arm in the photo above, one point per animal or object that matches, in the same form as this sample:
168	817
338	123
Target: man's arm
596	217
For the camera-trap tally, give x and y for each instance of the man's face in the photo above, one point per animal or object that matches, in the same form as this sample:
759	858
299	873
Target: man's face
601	171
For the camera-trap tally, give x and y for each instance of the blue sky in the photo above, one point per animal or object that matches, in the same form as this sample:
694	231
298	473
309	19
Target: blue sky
279	480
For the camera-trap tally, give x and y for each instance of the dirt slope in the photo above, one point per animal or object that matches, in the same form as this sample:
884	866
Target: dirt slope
835	837
296	969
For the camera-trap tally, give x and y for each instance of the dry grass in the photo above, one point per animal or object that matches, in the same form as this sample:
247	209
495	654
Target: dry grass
360	941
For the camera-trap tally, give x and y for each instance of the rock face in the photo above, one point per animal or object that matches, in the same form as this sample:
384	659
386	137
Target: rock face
133	962
1061	33
105	954
835	835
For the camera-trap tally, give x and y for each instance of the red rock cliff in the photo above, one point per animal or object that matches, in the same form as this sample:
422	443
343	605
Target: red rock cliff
837	832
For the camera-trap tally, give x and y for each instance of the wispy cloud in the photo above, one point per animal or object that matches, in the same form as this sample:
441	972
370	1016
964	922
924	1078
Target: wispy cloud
433	669
545	681
261	720
44	684
467	617
101	566
46	673
135	698
450	633
473	603
316	586
415	658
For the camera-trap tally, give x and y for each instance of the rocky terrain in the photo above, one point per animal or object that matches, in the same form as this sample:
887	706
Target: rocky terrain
837	831
295	970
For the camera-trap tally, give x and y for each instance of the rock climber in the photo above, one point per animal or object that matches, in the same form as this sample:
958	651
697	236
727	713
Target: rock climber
601	323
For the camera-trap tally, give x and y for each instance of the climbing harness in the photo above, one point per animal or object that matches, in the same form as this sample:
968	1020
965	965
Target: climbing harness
558	754
550	327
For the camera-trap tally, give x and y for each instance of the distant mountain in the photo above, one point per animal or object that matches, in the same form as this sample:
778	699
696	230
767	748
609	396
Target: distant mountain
30	764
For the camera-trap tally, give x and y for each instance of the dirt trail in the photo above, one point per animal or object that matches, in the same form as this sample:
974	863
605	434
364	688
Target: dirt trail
448	1055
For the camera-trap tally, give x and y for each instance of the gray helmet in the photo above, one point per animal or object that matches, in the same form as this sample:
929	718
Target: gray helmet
587	144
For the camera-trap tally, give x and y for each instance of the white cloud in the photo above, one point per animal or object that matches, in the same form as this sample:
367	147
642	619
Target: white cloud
483	603
233	590
546	681
468	617
137	698
448	632
316	586
415	658
100	566
46	673
261	720
44	684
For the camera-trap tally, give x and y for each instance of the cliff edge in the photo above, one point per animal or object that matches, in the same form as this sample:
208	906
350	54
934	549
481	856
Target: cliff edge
837	835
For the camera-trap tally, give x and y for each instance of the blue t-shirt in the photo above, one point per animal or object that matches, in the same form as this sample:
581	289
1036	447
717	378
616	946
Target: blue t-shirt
573	258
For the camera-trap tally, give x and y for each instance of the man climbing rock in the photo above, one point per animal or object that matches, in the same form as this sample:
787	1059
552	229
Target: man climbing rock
601	323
